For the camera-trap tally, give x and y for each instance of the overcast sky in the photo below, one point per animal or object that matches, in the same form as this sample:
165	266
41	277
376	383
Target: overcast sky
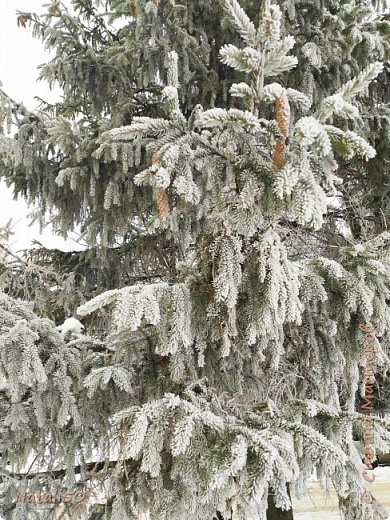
20	56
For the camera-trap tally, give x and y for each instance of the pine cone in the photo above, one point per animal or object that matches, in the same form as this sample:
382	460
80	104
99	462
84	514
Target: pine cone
133	8
282	115
162	202
278	158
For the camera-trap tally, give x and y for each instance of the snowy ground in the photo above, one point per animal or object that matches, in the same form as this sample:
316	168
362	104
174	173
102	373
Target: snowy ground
316	506
322	515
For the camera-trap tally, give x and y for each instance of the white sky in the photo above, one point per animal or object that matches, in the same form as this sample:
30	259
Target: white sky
20	56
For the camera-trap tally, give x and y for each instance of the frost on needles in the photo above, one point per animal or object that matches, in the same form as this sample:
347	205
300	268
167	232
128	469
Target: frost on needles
244	305
233	377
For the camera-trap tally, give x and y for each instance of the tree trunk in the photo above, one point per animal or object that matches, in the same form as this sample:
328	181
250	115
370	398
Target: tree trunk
274	513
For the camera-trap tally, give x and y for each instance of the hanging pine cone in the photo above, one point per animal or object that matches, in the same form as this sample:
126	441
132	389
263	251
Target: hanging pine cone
156	2
282	116
282	113
133	10
278	158
162	202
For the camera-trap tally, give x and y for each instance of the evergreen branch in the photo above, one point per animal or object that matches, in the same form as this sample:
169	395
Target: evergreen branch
92	469
140	127
356	85
337	103
11	254
241	20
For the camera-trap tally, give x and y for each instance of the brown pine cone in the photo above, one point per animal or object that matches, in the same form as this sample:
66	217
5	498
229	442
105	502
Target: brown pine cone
162	202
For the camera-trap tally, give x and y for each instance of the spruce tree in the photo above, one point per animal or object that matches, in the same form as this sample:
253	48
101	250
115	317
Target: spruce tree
220	297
